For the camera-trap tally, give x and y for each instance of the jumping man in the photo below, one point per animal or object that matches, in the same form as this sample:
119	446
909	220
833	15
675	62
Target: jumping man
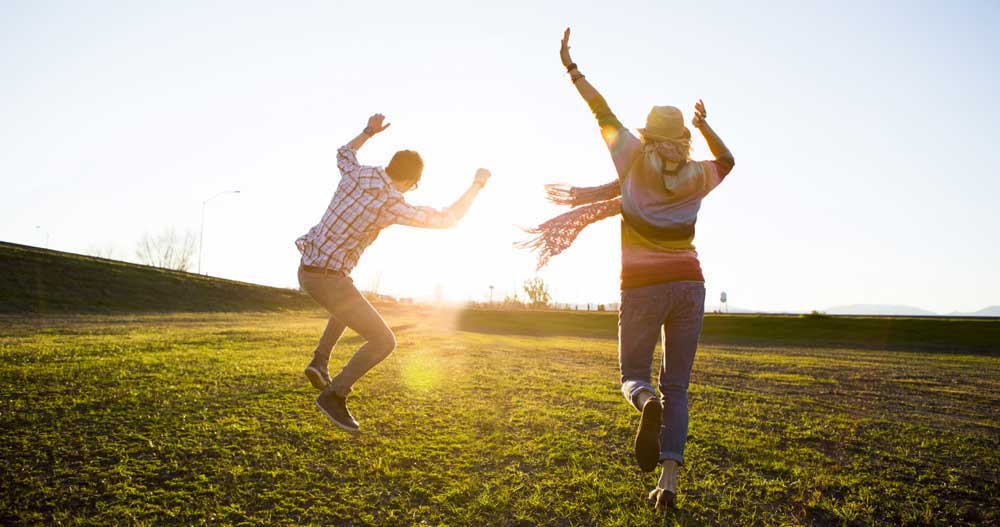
368	199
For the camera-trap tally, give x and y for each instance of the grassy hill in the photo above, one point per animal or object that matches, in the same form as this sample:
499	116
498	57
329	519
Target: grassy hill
34	280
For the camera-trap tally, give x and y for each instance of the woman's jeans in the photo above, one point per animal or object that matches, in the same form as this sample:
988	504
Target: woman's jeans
674	310
348	308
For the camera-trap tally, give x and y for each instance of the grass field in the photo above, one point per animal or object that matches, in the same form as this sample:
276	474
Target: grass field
477	419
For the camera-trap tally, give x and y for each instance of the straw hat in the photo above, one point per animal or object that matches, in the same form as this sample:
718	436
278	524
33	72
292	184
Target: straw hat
665	123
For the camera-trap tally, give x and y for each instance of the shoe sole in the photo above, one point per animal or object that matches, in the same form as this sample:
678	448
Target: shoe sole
647	437
315	378
340	425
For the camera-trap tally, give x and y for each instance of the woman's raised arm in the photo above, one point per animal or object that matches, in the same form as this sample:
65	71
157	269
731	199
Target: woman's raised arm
587	91
723	157
620	141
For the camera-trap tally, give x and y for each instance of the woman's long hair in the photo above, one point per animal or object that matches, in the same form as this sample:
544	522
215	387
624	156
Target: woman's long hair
662	157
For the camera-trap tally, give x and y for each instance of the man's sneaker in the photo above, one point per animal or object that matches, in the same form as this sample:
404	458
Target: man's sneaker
335	409
647	436
318	377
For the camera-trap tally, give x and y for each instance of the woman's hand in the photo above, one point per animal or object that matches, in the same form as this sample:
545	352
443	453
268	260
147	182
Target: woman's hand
564	50
699	114
375	124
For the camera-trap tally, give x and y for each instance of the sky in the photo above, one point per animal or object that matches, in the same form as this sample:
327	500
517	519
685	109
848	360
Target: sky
864	137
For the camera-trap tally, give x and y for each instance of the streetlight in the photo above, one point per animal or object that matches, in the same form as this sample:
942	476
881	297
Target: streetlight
201	235
39	227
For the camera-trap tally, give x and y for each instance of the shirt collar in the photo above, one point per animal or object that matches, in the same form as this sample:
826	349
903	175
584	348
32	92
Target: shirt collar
388	182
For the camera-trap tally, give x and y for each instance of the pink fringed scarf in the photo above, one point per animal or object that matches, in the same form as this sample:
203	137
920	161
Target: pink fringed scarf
604	201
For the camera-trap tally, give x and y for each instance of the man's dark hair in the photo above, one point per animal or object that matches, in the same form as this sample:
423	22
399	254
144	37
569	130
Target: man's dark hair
405	165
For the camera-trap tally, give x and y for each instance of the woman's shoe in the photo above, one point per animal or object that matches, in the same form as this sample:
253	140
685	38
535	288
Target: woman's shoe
647	436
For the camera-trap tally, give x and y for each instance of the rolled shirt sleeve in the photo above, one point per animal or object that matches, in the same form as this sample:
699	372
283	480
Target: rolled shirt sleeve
426	217
347	160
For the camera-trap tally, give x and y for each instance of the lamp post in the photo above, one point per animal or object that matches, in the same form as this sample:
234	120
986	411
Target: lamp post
39	227
201	235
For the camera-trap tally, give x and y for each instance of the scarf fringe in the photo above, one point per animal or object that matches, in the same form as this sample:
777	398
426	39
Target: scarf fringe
557	234
603	201
562	194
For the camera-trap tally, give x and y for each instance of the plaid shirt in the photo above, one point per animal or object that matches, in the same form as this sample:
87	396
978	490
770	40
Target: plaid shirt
365	203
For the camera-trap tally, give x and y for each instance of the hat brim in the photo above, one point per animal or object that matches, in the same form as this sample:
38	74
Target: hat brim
656	137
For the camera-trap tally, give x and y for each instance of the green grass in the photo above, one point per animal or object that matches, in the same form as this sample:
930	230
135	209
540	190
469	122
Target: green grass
43	281
191	419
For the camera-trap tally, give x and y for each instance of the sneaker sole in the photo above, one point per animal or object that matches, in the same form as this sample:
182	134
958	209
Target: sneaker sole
340	425
315	378
647	437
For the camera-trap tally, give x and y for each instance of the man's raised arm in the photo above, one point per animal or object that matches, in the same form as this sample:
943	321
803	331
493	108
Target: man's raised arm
347	161
428	217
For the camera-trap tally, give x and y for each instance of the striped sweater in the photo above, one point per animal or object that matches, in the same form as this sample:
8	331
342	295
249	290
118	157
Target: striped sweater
659	210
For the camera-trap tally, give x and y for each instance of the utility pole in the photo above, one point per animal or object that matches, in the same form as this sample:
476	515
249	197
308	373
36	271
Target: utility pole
39	227
201	235
491	295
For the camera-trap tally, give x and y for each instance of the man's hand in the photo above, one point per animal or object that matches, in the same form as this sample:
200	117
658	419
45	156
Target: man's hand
482	175
564	50
699	114
375	124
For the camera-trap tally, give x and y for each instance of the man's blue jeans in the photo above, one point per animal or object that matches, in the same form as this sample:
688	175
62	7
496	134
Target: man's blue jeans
348	308
675	311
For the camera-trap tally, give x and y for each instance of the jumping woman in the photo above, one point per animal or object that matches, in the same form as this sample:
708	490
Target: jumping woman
658	193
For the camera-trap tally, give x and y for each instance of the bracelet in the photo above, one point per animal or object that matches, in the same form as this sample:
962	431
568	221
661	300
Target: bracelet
368	131
571	67
581	76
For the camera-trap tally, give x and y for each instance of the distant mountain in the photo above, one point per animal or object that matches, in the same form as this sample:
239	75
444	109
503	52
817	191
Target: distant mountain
992	311
878	309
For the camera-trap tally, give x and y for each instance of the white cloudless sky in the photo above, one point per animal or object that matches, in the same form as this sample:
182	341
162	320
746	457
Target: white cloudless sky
864	136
